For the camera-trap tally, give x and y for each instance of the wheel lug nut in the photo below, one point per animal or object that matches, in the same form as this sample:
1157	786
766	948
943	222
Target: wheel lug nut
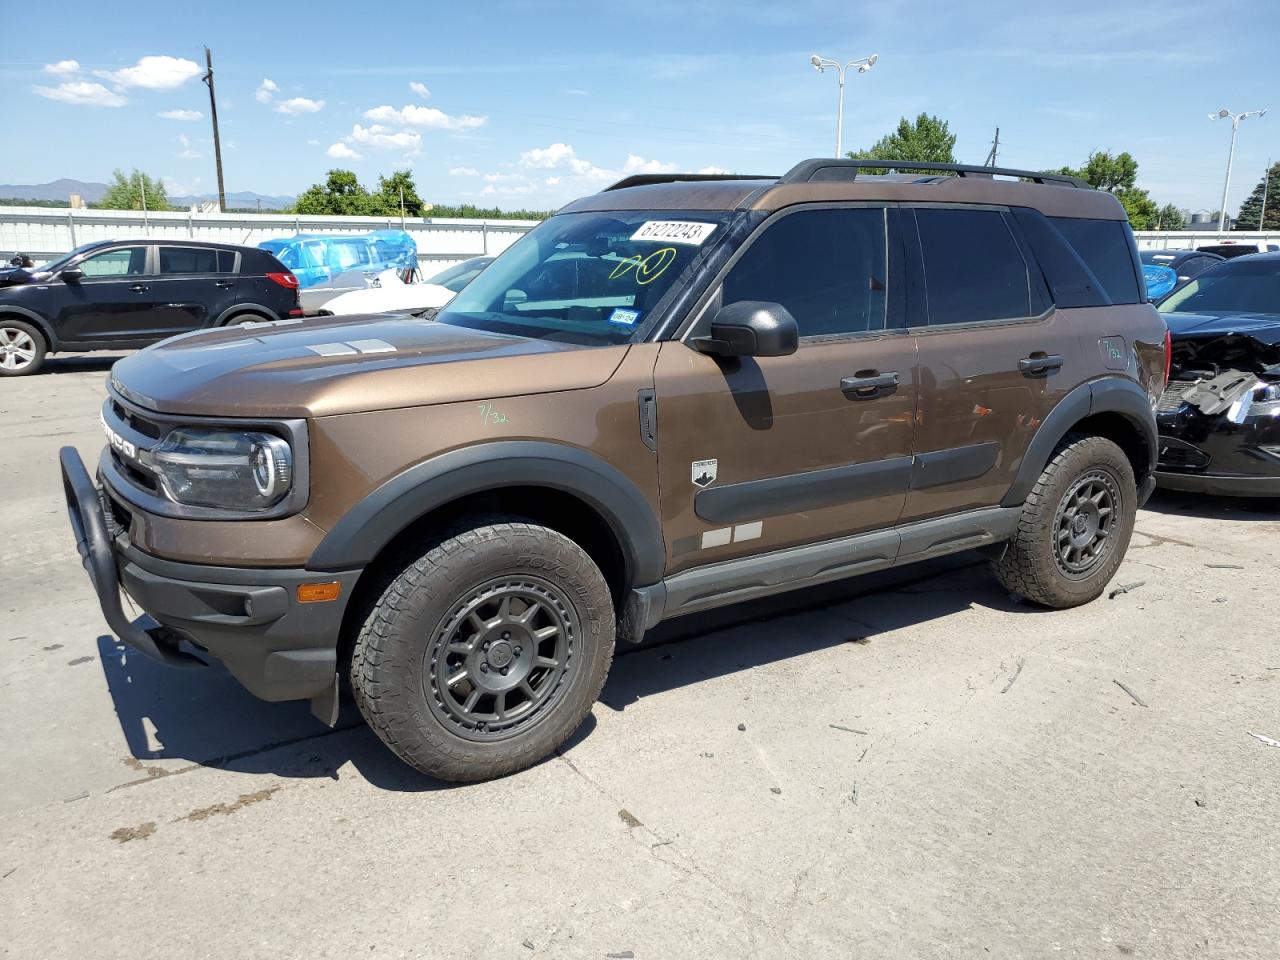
484	668
504	671
516	651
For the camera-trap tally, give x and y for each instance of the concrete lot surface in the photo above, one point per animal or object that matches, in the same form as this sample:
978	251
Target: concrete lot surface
907	766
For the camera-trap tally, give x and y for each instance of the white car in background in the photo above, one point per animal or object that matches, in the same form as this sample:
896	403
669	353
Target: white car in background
390	294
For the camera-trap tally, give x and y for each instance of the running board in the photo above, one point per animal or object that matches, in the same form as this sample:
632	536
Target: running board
747	578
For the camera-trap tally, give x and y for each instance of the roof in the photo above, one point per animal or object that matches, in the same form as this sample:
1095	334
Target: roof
834	180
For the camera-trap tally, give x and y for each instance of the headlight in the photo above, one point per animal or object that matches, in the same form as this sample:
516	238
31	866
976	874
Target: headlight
1266	393
214	467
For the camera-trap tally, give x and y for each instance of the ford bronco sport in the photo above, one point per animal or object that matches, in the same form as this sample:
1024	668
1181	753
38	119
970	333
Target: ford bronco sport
681	392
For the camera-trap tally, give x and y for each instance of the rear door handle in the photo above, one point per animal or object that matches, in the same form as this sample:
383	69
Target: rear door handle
1040	363
139	288
868	385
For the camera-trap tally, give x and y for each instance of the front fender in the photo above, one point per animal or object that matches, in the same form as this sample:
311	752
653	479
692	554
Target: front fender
371	524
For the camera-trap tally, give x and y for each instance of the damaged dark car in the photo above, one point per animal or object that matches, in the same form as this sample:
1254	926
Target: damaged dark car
1219	417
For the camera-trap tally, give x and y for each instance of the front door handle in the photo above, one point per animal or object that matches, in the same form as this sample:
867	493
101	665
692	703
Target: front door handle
867	385
225	283
139	288
1039	363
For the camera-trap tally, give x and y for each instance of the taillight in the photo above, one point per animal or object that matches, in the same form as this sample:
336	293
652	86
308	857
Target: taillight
286	280
1168	355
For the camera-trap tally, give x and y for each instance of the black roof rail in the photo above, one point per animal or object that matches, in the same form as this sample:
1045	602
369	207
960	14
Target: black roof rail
645	179
809	171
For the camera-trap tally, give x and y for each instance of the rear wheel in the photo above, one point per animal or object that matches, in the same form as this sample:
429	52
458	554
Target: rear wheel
240	318
22	348
486	652
1075	525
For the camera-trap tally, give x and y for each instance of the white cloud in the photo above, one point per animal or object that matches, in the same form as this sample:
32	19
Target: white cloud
516	190
83	93
153	73
589	171
180	114
62	68
553	181
384	138
313	143
713	170
577	92
188	153
464	172
412	115
340	151
637	164
265	89
548	158
297	105
420	89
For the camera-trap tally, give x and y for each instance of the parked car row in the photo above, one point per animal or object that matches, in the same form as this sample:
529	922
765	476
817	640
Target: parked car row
132	293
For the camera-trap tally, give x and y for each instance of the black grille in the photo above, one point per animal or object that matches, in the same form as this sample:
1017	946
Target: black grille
1180	455
143	426
1174	395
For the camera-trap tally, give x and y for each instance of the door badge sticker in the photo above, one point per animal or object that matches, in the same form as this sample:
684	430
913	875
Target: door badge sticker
704	472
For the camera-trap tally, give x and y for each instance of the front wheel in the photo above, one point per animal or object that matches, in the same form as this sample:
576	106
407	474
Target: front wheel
1075	525
22	348
486	652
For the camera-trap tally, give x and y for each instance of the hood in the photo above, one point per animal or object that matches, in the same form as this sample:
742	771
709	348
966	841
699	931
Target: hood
14	276
1264	328
334	365
1230	342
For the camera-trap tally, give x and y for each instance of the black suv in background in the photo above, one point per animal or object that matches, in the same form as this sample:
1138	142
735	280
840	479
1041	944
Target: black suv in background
125	294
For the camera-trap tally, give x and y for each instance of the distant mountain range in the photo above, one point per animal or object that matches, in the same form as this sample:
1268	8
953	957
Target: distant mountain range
92	192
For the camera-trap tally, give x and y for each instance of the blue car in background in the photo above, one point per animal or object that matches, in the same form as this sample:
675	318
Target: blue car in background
329	264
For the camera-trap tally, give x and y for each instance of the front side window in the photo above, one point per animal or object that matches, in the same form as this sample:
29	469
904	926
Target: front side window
1236	287
188	260
973	269
592	278
120	262
827	267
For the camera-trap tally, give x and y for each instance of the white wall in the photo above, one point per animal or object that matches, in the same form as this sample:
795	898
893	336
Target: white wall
45	232
1189	240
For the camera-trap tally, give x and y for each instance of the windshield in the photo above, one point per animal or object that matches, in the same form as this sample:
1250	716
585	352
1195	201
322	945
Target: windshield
460	274
1238	286
591	278
60	262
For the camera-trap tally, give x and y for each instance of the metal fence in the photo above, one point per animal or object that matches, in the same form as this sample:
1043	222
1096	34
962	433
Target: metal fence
46	232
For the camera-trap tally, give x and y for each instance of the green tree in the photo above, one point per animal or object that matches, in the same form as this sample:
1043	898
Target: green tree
1251	209
927	140
340	195
387	196
125	192
1118	174
1170	218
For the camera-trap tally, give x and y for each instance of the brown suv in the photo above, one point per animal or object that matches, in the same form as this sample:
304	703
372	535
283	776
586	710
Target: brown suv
682	392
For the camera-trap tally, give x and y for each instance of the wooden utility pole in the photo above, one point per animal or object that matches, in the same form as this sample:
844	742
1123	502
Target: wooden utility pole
217	142
995	149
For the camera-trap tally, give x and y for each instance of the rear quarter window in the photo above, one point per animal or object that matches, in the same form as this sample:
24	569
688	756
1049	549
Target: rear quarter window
1107	247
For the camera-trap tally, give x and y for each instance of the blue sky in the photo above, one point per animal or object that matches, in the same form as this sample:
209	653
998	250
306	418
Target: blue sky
528	103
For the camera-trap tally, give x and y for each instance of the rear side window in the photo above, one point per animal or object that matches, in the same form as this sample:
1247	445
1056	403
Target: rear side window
1107	248
973	269
191	260
827	267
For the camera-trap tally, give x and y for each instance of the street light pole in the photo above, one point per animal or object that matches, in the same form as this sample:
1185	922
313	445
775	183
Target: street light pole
1235	118
217	142
863	64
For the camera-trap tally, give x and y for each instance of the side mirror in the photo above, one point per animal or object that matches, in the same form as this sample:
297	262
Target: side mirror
751	328
72	275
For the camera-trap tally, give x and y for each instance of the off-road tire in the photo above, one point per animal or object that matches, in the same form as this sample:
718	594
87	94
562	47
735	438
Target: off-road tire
18	333
1032	565
412	624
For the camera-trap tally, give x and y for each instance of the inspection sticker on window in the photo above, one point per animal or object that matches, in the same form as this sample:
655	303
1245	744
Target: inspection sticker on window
624	318
674	231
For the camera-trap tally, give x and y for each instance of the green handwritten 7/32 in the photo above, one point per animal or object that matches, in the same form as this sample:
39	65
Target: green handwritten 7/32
488	415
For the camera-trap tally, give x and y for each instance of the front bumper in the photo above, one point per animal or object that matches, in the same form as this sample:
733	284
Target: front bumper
250	619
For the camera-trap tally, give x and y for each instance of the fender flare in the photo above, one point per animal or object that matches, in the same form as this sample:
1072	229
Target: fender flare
37	321
231	311
370	525
1108	395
